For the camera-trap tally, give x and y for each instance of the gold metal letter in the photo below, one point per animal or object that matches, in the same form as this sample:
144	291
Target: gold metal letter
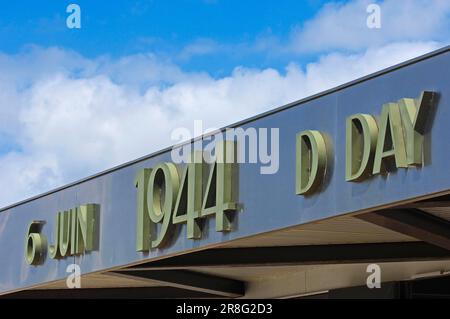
414	112
35	244
162	193
82	232
220	199
53	250
361	142
311	161
143	219
390	142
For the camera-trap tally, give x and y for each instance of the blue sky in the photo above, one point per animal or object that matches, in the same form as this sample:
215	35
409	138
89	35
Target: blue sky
198	35
77	101
124	27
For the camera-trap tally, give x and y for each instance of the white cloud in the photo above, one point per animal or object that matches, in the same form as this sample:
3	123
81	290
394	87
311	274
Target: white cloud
200	47
72	116
342	26
28	174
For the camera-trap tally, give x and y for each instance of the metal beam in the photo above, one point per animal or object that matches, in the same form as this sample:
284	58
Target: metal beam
109	293
441	201
299	255
388	290
414	223
189	280
435	288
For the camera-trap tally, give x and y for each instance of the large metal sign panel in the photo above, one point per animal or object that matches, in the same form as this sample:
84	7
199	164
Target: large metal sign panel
265	202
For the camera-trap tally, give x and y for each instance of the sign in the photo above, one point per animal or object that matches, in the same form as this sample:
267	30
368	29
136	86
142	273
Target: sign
75	233
167	198
169	195
372	147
